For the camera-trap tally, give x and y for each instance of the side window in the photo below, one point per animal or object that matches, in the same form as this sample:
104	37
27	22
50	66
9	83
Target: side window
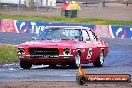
92	36
85	35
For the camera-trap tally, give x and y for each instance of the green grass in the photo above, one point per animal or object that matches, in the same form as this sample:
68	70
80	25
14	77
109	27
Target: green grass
8	53
68	20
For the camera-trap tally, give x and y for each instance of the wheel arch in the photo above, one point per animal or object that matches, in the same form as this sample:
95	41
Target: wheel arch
79	51
102	50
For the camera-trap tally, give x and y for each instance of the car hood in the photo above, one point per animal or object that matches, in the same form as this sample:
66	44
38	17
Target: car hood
52	43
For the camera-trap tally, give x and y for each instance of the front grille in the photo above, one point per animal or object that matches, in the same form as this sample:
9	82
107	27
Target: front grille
43	51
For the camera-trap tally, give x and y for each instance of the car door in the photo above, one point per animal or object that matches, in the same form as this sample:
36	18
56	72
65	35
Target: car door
95	46
89	47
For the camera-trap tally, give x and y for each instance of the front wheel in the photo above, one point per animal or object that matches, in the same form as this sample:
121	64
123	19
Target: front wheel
76	62
25	65
100	61
52	65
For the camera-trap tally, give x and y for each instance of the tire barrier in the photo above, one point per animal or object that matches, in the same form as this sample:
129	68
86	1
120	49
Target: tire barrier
22	26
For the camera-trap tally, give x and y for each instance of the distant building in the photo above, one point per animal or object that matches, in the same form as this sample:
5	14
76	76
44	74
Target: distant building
11	2
29	3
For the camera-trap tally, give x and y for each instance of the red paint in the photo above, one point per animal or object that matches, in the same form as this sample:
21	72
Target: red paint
61	44
64	6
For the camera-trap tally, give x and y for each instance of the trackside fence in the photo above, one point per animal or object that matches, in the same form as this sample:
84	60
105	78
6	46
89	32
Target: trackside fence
22	26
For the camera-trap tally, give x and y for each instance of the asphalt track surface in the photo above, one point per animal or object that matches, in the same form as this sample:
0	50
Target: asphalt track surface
118	61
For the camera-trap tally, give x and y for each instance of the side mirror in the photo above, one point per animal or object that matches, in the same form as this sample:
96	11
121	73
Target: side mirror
33	38
86	40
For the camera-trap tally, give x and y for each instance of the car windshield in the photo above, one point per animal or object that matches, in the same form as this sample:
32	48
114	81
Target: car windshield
60	34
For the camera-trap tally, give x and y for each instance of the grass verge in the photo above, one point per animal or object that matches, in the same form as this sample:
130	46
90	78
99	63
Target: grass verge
7	53
68	20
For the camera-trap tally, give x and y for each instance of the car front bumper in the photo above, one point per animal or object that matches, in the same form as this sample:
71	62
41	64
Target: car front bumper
45	56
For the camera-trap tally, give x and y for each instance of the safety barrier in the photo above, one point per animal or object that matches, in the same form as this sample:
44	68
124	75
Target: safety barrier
21	26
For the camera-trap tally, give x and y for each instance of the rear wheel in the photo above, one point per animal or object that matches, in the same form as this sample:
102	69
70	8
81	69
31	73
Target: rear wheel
100	61
25	65
76	62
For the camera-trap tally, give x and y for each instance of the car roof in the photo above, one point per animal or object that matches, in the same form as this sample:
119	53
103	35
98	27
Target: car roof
67	27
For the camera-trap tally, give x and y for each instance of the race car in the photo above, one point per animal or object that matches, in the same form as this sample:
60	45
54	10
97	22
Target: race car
63	45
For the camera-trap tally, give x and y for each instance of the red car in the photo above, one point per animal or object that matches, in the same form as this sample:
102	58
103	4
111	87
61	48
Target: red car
63	45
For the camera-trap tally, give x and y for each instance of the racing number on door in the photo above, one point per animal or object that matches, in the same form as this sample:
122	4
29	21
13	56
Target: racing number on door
89	53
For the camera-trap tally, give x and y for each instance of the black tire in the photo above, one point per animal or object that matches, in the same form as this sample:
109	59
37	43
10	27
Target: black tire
52	65
25	65
76	62
63	65
100	61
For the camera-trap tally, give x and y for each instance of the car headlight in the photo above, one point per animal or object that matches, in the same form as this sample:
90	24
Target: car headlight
66	51
21	51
